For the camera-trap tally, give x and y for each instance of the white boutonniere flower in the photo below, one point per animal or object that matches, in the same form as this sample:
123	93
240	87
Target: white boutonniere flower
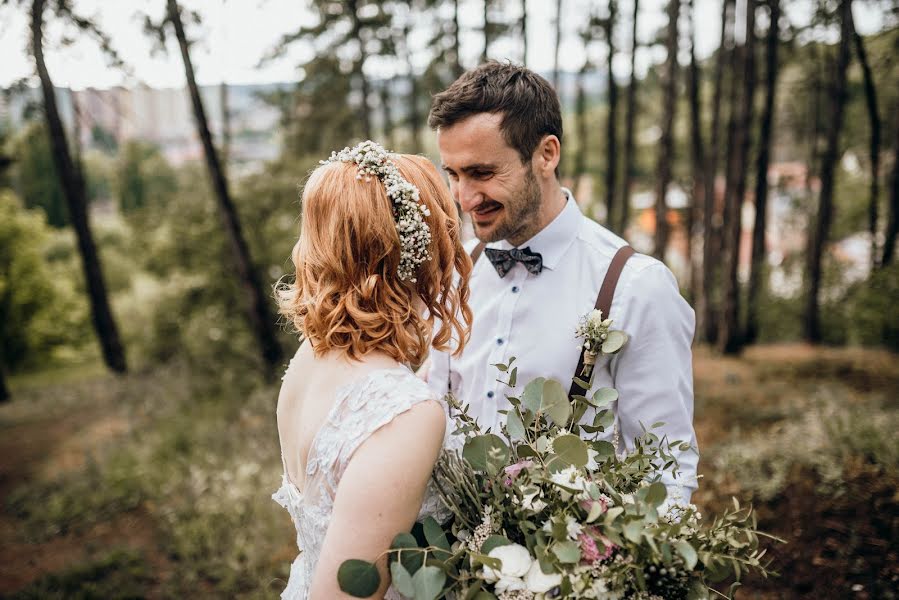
599	338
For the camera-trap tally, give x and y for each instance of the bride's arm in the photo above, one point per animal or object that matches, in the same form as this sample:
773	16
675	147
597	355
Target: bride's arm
380	495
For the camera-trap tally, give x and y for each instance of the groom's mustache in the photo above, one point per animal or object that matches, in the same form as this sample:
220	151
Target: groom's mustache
486	206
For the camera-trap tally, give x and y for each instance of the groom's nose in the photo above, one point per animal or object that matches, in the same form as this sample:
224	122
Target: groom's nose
467	194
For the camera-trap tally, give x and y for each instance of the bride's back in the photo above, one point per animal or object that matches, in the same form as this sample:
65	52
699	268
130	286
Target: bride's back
307	397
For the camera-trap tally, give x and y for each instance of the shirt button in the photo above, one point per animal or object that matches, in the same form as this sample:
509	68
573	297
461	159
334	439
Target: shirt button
490	394
499	342
514	289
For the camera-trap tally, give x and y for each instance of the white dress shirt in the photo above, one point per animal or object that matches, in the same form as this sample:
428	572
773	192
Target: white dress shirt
533	318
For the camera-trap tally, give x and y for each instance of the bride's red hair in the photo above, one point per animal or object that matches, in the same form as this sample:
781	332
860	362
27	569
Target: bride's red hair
347	295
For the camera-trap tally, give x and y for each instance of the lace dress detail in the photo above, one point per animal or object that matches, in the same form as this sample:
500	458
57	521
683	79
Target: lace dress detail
361	407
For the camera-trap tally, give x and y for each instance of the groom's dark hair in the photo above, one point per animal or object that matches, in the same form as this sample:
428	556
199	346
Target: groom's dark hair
527	101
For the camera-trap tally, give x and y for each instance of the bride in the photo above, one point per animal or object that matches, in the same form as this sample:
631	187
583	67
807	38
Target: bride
379	260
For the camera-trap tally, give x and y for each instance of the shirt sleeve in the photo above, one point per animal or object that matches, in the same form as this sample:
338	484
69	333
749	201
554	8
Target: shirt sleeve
654	372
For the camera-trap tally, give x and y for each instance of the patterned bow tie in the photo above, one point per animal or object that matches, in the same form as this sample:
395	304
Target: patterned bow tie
504	260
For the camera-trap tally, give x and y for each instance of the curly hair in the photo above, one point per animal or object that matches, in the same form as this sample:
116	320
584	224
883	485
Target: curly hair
347	295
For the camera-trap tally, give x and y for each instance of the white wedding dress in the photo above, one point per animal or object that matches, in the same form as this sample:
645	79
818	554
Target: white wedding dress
360	408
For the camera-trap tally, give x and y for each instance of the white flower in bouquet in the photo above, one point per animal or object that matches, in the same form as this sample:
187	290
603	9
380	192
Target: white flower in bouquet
570	478
538	582
572	527
533	502
515	561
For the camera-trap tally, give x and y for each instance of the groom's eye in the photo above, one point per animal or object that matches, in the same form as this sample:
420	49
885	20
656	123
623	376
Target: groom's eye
482	174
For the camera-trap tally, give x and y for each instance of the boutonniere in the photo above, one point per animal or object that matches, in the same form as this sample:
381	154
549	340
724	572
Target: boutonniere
598	338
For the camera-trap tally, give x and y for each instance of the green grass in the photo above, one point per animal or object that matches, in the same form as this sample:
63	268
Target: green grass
120	575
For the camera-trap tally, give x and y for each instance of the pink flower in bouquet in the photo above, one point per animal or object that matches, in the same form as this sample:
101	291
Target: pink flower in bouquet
588	504
590	551
512	471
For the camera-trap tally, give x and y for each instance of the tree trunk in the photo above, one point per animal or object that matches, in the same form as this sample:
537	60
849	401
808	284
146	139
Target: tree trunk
558	43
697	145
457	60
874	121
524	32
261	320
611	132
387	115
580	166
666	144
889	243
76	199
364	112
415	119
4	390
818	237
629	122
486	55
729	329
712	218
758	269
226	126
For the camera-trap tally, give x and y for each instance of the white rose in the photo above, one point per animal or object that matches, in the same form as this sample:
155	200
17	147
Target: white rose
515	559
538	582
509	584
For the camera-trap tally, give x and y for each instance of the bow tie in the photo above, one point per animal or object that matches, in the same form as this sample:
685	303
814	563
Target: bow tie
504	260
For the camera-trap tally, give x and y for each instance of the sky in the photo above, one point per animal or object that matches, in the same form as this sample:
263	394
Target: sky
236	34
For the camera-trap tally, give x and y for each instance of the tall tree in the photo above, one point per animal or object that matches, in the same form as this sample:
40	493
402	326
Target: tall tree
697	147
666	144
261	319
72	181
757	279
611	157
524	32
892	230
729	328
557	44
629	123
712	219
226	125
818	236
387	112
874	123
583	134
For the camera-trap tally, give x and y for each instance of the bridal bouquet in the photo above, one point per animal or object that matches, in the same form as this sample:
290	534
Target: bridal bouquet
545	509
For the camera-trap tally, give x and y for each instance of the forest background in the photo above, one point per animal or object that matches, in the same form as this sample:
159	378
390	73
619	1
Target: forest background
750	144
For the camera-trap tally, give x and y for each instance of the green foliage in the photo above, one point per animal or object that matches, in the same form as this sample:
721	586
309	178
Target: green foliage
119	575
34	174
40	308
142	177
872	316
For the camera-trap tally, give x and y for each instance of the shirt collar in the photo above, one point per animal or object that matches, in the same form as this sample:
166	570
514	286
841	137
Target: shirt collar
553	240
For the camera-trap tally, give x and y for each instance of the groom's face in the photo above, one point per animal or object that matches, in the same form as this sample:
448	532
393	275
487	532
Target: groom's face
488	179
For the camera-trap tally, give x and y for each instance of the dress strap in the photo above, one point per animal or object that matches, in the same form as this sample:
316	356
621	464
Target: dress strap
603	303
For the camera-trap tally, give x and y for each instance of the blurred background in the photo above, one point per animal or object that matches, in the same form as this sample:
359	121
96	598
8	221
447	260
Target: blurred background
151	155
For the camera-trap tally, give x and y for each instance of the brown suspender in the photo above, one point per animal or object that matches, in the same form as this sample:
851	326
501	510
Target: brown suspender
603	300
603	303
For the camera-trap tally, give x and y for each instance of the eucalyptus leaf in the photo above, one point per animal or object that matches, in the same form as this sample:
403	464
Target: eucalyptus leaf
604	419
481	450
555	402
656	494
401	580
533	394
688	552
358	578
614	342
567	552
514	425
571	450
603	448
604	396
633	530
428	583
434	534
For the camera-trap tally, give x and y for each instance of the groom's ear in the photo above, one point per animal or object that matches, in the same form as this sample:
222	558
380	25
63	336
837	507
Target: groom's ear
547	156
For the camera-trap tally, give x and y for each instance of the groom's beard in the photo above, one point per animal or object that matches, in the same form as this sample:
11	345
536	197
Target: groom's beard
520	216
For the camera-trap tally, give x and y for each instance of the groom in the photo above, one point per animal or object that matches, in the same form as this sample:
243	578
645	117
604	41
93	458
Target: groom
540	263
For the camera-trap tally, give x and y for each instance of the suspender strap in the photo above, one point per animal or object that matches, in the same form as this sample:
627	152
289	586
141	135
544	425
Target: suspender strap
476	252
603	303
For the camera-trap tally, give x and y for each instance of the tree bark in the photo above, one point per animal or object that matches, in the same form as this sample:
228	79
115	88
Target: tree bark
729	329
457	60
580	166
261	320
4	390
697	145
226	126
558	43
712	218
758	269
73	188
818	237
874	122
629	122
524	32
889	243
611	132
486	55
387	115
359	67
666	144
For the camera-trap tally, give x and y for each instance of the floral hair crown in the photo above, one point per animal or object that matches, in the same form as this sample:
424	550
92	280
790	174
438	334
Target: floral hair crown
415	236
